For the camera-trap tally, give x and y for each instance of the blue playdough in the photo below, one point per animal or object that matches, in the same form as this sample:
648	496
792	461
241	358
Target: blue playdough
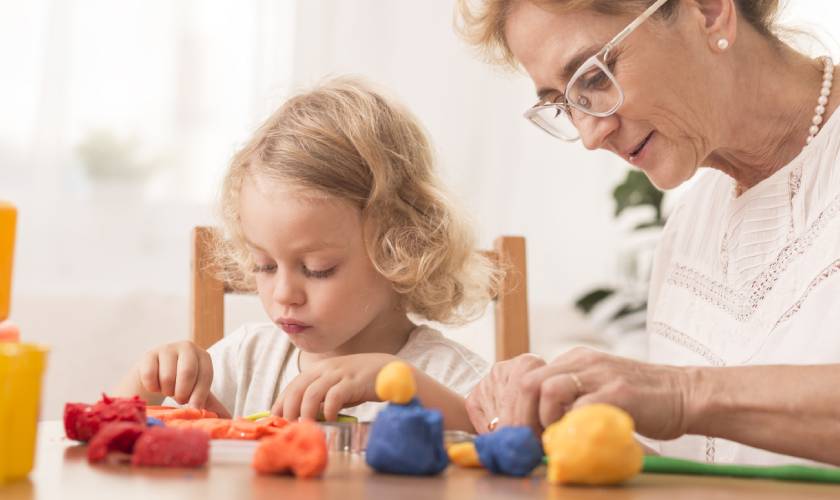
514	451
407	439
153	422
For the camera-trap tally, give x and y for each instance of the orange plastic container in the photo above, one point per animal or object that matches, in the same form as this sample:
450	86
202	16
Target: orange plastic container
8	220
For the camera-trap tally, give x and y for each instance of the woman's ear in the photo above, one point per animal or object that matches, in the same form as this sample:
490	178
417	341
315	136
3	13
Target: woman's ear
719	22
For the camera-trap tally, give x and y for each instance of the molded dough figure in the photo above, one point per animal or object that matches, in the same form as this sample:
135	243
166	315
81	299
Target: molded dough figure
592	445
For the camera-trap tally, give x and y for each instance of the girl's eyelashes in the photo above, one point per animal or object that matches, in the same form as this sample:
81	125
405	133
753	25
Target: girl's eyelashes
309	273
265	268
318	274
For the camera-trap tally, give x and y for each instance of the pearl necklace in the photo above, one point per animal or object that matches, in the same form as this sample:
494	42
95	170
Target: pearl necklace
822	101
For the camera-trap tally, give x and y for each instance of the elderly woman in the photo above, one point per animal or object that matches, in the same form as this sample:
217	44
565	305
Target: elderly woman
744	309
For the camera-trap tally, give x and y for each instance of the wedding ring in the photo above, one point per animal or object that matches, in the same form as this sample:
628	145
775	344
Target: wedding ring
578	384
493	423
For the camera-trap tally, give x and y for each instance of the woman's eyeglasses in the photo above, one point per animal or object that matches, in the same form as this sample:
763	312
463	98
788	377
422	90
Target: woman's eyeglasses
592	90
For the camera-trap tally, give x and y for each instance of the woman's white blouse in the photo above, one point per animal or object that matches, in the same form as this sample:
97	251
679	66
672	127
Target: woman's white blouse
752	279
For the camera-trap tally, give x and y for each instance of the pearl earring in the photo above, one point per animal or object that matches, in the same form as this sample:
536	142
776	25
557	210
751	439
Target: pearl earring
723	44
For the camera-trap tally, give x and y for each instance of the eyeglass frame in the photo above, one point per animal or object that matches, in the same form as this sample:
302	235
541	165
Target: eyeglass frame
598	60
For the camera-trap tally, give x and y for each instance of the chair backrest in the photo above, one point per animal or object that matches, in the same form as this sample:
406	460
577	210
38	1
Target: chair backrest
208	294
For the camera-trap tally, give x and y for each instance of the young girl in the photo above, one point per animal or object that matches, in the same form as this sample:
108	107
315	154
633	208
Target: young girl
333	208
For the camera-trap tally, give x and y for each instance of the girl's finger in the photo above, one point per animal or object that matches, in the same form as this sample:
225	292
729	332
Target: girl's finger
313	396
334	401
204	379
168	371
186	375
293	394
148	372
216	406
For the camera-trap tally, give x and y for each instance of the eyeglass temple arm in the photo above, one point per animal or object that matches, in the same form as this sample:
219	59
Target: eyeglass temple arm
632	26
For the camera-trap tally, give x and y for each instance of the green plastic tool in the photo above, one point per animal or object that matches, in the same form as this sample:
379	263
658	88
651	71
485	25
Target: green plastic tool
668	465
802	473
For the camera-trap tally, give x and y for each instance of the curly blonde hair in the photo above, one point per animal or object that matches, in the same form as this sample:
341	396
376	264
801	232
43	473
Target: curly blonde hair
482	22
343	139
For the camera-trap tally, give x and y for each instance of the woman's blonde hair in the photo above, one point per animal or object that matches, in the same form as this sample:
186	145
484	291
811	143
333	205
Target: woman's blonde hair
482	22
348	141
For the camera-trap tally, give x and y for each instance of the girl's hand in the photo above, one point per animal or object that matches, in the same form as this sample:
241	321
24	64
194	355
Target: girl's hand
333	383
180	370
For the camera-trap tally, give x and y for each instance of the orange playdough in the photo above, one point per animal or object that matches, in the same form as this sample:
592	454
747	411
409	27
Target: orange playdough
225	428
167	413
299	448
218	428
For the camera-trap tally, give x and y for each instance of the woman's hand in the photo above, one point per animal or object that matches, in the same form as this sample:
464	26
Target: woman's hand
333	383
498	397
656	396
527	391
180	370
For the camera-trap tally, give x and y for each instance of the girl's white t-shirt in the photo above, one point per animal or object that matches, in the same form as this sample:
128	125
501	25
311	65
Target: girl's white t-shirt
252	365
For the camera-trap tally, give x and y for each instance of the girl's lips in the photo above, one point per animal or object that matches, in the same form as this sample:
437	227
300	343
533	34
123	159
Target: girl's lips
292	326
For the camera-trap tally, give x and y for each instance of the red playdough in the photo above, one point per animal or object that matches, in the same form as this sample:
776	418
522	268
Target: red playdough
115	436
82	421
299	448
170	447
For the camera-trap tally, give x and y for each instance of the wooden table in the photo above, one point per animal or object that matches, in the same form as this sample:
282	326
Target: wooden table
62	472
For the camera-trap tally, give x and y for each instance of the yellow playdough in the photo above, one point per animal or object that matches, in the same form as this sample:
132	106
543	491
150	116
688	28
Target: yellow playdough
463	455
592	445
395	383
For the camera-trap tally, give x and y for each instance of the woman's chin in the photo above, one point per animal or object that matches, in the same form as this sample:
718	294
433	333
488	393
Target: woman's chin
666	176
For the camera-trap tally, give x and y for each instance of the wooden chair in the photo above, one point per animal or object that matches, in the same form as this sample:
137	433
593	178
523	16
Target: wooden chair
208	294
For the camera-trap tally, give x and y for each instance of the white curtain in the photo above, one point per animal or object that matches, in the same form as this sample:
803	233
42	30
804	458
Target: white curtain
118	118
171	87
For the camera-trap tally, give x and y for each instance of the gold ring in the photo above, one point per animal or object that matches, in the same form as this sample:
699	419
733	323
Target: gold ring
578	384
493	423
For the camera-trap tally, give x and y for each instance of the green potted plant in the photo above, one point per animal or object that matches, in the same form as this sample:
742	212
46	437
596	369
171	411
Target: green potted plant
622	305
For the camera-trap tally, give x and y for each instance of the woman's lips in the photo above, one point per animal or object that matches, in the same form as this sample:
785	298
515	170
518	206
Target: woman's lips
639	153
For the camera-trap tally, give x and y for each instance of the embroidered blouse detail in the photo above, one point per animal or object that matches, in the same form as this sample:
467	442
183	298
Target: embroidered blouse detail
752	279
